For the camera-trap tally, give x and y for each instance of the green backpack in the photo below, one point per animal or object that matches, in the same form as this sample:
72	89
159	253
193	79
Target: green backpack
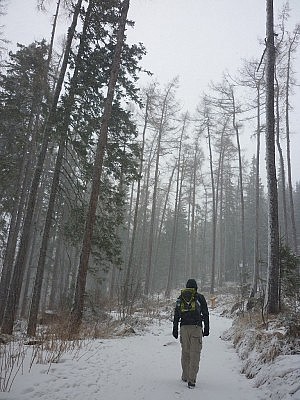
188	300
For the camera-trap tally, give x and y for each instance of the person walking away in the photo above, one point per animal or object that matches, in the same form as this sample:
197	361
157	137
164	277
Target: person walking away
190	311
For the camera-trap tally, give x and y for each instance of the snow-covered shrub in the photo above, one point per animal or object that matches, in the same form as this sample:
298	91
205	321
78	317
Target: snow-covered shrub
270	352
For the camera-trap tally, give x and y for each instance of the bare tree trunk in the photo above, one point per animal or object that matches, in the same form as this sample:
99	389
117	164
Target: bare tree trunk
219	189
257	198
77	310
154	196
176	213
45	290
288	152
112	285
53	298
193	215
205	258
141	259
137	205
272	295
170	282
214	216
129	214
54	25
187	258
221	223
235	126
163	214
281	161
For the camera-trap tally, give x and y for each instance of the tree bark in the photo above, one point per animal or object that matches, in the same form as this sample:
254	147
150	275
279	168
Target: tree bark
154	196
176	213
281	161
137	205
257	198
77	310
235	126
272	295
288	151
193	214
187	257
214	216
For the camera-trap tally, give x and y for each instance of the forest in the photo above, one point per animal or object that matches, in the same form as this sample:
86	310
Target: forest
111	192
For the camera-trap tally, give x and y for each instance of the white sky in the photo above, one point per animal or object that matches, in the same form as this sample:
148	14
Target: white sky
196	40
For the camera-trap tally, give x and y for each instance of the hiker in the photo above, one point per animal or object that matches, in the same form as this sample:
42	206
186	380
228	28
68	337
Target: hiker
190	310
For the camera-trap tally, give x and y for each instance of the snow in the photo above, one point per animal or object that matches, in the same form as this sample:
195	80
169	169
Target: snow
144	366
282	378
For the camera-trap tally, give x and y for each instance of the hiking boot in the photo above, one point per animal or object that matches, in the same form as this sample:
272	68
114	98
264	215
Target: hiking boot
191	385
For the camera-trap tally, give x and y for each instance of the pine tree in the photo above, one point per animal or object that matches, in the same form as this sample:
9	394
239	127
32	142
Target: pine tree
77	310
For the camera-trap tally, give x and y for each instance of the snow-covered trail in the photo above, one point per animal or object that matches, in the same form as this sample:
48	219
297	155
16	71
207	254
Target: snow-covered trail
141	367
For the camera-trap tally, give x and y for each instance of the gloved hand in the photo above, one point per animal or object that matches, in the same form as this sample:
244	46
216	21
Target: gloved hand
205	332
175	332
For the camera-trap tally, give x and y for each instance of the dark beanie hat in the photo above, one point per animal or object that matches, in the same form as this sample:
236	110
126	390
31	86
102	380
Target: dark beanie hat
191	283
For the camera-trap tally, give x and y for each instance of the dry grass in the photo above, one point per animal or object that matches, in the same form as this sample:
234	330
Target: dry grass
12	355
258	343
52	340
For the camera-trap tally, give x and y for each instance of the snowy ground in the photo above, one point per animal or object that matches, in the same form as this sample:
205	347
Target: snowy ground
139	367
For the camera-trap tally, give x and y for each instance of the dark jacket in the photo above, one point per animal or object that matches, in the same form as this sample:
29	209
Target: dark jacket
188	318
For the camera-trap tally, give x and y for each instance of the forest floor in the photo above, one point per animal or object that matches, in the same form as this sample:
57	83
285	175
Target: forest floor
145	365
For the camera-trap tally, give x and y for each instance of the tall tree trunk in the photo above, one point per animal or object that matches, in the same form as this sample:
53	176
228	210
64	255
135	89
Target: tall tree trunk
176	213
56	273
205	244
288	151
272	295
14	229
193	215
154	196
17	278
23	186
129	216
187	257
172	263
77	310
129	269
163	214
281	161
214	214
236	129
219	189
221	222
145	192
31	256
257	198
35	302
54	25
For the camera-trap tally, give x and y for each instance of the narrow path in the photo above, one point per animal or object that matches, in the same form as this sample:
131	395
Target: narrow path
143	367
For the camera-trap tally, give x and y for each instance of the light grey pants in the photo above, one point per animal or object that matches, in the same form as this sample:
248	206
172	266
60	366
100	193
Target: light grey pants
191	346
